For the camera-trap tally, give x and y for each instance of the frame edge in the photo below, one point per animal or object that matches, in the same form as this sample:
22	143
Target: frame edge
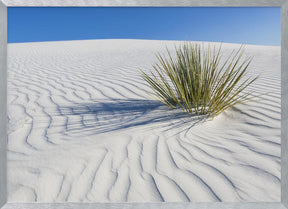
3	101
3	87
284	104
143	3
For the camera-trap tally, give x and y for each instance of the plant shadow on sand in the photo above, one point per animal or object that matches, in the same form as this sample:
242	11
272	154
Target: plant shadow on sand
116	115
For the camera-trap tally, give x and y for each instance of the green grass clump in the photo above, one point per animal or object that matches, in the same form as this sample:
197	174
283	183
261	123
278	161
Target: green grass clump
196	81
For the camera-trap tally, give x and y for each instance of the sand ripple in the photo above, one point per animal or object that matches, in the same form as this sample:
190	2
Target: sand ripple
82	129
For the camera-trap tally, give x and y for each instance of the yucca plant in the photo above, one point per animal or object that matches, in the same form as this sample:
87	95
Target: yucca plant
198	81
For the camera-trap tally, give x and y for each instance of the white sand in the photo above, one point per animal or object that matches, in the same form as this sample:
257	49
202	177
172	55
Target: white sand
81	128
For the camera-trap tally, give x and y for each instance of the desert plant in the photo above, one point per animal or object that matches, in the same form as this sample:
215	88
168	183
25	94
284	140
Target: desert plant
197	80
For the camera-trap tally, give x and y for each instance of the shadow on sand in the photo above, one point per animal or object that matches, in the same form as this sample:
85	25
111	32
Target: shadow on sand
106	116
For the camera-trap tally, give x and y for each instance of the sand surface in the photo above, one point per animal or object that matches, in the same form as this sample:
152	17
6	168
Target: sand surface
82	129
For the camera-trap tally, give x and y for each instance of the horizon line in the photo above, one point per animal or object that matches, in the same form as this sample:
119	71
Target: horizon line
70	40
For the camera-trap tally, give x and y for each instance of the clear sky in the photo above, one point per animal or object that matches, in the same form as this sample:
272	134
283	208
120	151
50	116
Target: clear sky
259	26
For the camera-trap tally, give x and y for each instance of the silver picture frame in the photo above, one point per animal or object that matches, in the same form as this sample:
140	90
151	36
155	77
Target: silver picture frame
145	3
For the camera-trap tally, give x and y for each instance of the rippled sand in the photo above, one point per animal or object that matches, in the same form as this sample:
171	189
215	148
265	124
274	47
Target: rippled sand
82	129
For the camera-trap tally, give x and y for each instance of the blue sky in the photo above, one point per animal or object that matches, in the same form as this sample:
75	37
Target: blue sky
259	26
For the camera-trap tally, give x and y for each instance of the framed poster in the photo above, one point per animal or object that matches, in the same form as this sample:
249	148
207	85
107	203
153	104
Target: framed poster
115	120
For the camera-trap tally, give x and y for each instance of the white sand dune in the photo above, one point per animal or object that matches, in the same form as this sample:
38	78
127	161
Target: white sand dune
82	129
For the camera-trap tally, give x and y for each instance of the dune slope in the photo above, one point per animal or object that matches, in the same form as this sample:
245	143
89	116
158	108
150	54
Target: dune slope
82	129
